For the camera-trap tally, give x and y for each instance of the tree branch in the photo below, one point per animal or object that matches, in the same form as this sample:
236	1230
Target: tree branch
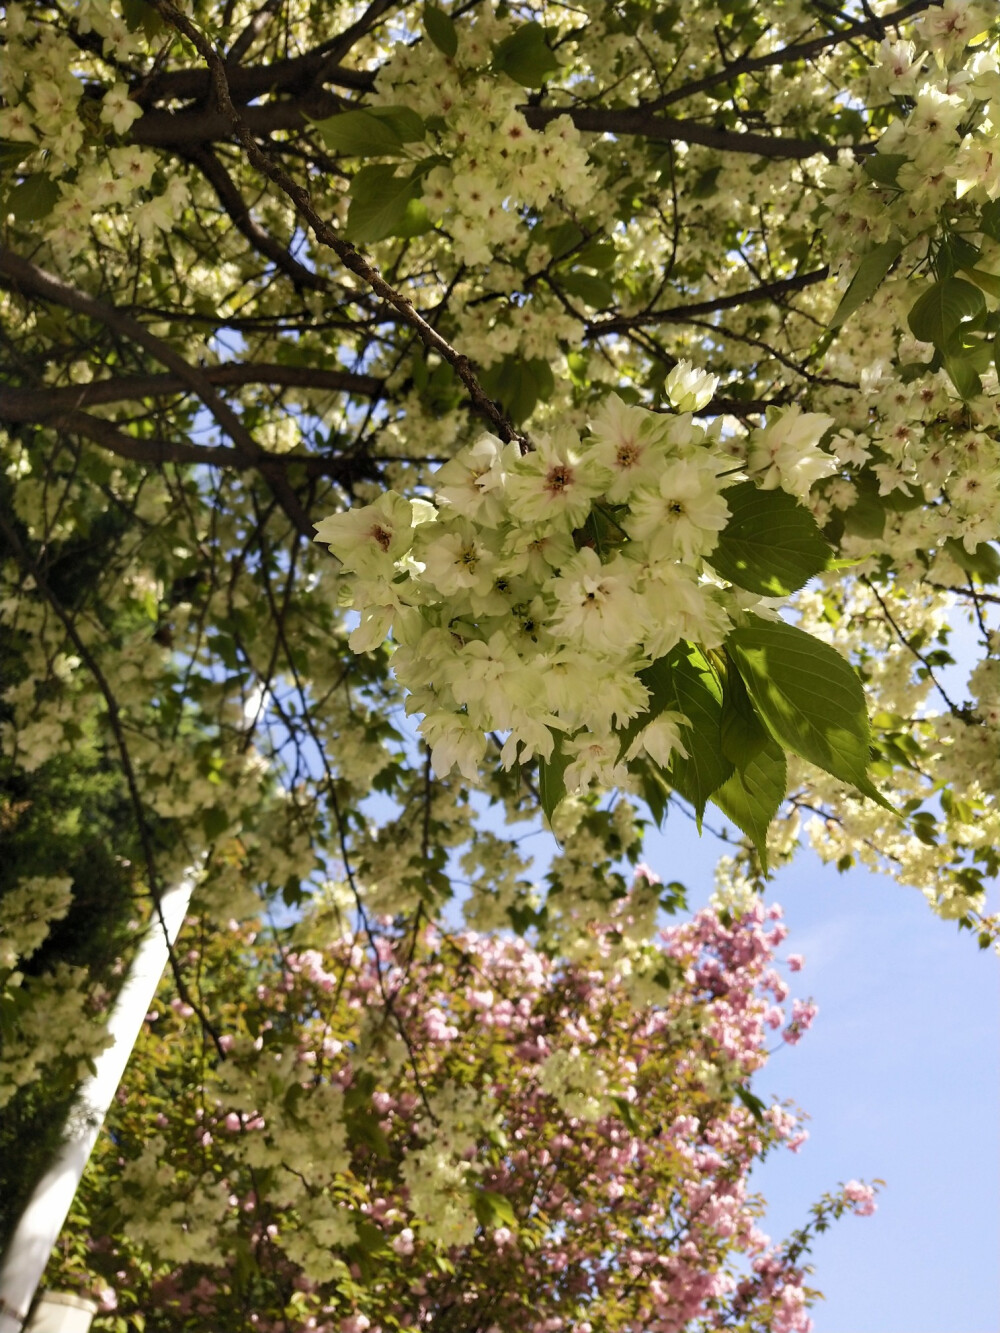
38	409
239	211
768	291
792	54
136	388
641	121
352	258
27	277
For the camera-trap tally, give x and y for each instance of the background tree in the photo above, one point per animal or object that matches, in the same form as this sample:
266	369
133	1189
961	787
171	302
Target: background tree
262	268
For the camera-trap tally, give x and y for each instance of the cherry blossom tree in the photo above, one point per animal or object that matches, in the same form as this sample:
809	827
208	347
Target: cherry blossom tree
422	423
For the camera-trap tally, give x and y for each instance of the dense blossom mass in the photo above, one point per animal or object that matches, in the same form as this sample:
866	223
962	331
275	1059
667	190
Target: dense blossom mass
428	425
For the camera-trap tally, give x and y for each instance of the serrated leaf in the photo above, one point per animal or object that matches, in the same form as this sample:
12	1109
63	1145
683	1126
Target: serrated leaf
493	1209
962	373
942	309
990	219
525	56
883	167
595	291
742	732
441	30
989	282
953	254
33	199
360	134
563	238
137	14
552	778
752	1102
868	278
866	517
771	544
752	796
809	697
384	204
518	383
983	562
683	681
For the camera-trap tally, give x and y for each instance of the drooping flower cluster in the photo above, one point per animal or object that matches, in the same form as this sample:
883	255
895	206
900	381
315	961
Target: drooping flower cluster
530	598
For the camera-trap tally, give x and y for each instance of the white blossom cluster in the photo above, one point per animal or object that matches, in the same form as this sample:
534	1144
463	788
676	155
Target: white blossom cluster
530	598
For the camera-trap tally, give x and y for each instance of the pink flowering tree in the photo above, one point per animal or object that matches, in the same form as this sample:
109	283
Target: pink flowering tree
457	1131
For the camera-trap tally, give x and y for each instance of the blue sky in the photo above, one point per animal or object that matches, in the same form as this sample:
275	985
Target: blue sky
900	1077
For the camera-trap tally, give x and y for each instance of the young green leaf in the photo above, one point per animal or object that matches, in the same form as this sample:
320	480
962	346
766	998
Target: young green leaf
684	682
753	795
597	292
552	778
809	697
742	732
360	134
771	544
33	199
871	271
384	204
525	56
441	30
942	309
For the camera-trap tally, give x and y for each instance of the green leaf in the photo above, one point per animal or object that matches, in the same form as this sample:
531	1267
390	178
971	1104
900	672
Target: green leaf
871	271
883	167
384	204
563	238
33	199
552	778
989	282
215	822
955	253
983	562
752	796
441	30
942	309
742	732
771	544
990	219
963	375
493	1209
518	384
684	682
361	134
525	56
866	517
137	14
12	153
752	1102
595	291
706	184
809	697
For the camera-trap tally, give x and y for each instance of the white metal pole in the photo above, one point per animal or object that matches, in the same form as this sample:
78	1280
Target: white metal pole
38	1228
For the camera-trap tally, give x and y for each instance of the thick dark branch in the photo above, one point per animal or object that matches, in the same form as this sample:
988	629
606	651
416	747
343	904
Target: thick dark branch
872	27
19	407
31	407
641	121
183	129
251	81
252	31
768	291
136	388
350	257
238	209
28	278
